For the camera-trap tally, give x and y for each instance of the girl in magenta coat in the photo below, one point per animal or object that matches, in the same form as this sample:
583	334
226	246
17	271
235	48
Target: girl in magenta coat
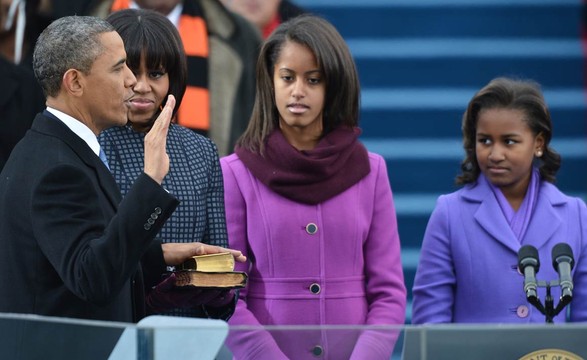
311	208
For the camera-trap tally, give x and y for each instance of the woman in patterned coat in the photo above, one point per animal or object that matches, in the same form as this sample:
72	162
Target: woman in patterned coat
156	57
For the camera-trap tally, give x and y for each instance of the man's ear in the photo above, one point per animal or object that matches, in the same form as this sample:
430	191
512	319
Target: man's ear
73	81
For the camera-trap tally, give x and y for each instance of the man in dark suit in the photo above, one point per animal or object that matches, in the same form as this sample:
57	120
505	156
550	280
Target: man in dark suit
69	245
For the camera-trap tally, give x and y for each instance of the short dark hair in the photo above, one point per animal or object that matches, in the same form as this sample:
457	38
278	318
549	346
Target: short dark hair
341	100
515	94
150	34
70	42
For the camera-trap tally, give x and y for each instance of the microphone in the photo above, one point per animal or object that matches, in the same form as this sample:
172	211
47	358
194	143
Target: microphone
563	262
528	264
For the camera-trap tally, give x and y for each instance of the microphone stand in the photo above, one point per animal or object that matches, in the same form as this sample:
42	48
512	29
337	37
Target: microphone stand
528	265
548	309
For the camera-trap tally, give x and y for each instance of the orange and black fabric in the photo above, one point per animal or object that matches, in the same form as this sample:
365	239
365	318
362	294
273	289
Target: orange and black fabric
194	111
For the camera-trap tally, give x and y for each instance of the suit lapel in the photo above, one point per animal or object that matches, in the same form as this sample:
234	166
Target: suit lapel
48	124
108	184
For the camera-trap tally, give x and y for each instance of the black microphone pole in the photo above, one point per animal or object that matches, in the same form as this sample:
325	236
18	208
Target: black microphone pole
563	262
528	264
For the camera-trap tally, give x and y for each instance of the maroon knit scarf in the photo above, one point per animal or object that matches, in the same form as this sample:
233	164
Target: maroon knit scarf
337	162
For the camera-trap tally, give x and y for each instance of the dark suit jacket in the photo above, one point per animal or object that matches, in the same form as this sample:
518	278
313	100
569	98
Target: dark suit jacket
69	246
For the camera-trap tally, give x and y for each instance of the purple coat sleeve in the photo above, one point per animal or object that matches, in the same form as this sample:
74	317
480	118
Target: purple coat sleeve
578	306
386	292
435	280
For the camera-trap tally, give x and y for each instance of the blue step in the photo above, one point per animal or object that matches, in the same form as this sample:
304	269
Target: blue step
456	98
411	231
436	175
437	112
465	71
433	19
442	123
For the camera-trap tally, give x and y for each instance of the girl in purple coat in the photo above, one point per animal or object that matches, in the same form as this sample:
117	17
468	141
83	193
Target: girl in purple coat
311	209
468	269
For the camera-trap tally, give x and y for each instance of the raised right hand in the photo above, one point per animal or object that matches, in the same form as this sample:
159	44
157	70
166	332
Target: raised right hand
156	158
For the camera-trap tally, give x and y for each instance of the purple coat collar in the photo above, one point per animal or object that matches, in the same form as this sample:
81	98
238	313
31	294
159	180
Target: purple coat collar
490	218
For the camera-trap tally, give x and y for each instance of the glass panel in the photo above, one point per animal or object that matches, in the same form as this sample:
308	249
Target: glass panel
38	337
161	337
437	342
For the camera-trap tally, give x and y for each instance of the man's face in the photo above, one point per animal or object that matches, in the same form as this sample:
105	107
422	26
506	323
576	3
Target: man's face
108	86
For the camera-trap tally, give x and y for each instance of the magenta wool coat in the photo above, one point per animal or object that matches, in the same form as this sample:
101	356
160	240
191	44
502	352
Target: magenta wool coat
468	262
337	262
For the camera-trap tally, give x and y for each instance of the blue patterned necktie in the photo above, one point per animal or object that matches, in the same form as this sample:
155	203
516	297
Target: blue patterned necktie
103	158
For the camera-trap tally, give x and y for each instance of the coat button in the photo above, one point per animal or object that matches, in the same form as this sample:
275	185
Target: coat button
311	228
158	210
147	227
150	221
522	311
317	350
315	288
154	216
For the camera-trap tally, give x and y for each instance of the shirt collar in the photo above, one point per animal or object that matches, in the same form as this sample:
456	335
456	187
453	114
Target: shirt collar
79	128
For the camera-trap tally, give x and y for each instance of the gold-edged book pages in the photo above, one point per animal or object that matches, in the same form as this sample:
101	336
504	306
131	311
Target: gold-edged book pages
222	280
220	262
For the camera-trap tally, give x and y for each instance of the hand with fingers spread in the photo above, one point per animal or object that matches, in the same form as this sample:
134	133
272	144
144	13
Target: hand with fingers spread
156	158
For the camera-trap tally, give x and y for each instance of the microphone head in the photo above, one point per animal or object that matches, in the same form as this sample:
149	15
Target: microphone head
562	252
528	256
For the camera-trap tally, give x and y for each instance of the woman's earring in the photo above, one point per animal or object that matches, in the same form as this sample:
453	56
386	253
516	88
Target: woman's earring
539	153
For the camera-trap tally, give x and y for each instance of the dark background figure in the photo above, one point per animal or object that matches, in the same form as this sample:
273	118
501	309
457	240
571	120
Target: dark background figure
21	96
20	99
